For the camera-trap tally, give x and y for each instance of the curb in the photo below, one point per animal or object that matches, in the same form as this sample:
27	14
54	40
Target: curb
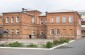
38	48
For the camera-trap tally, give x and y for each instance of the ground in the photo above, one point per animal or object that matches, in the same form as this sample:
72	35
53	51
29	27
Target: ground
75	48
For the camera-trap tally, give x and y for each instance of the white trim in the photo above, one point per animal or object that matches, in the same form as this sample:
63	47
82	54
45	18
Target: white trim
17	31
50	31
57	31
7	20
17	19
70	19
58	19
33	20
12	20
63	19
51	20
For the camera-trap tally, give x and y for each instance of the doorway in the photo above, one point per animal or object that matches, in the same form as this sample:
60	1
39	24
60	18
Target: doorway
30	37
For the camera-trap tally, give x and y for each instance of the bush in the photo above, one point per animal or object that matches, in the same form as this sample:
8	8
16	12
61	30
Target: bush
15	44
43	45
49	44
2	45
55	42
32	45
63	40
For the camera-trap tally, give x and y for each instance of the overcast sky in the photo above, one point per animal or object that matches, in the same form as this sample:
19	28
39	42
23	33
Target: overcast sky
41	5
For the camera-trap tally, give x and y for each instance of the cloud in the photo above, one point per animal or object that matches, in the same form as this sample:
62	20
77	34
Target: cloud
42	5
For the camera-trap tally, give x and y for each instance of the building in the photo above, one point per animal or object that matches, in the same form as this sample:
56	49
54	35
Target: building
63	24
82	13
32	24
21	24
1	25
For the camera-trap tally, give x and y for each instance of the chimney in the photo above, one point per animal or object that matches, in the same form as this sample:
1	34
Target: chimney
23	9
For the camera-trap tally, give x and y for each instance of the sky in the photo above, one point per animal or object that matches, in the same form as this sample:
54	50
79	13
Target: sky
41	5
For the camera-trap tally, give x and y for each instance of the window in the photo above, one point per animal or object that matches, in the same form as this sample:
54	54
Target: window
57	31
7	30
17	19
70	32
33	20
51	20
11	31
41	32
80	22
41	21
64	32
33	32
7	20
64	19
52	31
17	31
58	19
70	19
12	20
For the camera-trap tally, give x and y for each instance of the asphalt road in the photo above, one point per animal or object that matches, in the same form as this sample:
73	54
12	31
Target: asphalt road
75	48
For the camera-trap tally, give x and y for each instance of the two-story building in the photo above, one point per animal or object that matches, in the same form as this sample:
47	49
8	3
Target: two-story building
22	24
31	24
63	24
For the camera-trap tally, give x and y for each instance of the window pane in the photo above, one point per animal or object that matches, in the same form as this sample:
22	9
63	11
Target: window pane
33	19
12	20
70	18
51	20
7	20
57	31
52	31
17	31
17	19
58	19
64	19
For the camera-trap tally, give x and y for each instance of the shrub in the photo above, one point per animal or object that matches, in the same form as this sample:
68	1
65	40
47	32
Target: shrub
63	40
43	45
49	44
32	45
55	42
2	45
15	44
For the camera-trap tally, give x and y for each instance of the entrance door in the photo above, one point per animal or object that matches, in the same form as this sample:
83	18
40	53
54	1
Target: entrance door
30	37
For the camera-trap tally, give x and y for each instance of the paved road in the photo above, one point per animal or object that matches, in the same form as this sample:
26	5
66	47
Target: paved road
75	48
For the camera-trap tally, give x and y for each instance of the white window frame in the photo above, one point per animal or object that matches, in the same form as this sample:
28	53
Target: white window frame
57	33
12	20
11	31
6	30
64	19
33	32
7	20
51	20
17	19
79	22
41	32
58	19
33	20
51	32
17	31
70	19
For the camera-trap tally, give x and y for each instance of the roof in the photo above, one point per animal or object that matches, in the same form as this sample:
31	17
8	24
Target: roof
43	14
19	11
62	10
1	14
